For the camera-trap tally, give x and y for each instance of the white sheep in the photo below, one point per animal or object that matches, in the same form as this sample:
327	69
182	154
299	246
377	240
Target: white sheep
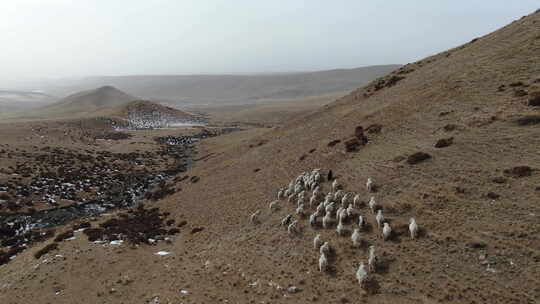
317	242
298	188
291	198
350	211
372	259
291	185
342	215
320	208
312	201
362	275
300	210
345	200
286	220
254	218
323	263
338	213
361	222
372	204
338	195
387	231
274	205
317	192
356	238
280	194
300	201
356	201
327	221
340	229
329	196
325	248
313	220
335	185
370	185
330	208
293	228
379	218
287	193
413	228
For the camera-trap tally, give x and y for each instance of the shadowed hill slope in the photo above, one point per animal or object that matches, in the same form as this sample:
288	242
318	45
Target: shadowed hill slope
476	203
87	102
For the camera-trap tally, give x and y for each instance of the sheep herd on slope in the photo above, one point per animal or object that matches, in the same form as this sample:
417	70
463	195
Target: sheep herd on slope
336	207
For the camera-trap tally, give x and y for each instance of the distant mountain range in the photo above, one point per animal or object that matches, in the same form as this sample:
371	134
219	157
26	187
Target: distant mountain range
226	89
17	100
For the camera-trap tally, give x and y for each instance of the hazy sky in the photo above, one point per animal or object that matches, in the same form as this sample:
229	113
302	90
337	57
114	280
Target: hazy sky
59	38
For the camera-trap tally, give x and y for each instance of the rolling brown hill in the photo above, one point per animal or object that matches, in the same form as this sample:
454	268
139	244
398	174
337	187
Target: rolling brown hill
475	198
82	103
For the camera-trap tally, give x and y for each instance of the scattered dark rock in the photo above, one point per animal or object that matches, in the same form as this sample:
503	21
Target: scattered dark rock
449	127
374	129
312	150
114	136
516	84
393	80
477	244
520	93
181	224
493	195
83	225
387	82
194	179
528	120
197	230
352	144
499	180
302	157
334	142
173	231
417	158
45	250
64	236
474	40
444	142
534	99
359	134
460	190
136	227
501	88
256	170
5	257
519	171
442	114
94	234
162	190
399	158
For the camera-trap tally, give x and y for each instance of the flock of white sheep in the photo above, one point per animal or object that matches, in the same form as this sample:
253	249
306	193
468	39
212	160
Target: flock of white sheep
335	206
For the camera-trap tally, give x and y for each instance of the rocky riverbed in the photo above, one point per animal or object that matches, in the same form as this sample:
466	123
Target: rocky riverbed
54	186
